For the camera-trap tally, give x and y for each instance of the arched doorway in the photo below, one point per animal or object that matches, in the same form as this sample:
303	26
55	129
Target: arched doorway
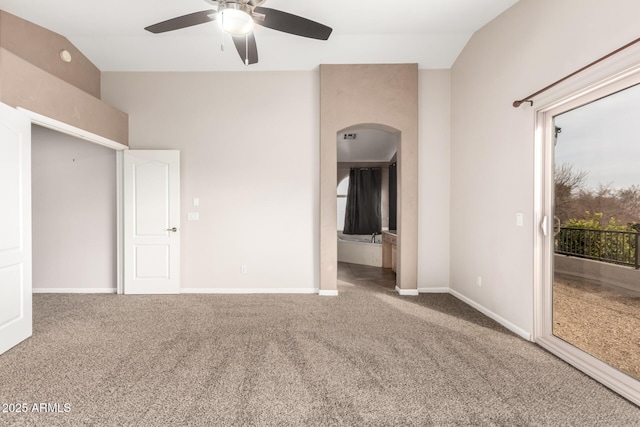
383	96
368	154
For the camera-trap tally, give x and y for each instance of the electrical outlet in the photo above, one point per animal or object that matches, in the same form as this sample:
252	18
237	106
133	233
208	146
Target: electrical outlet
479	281
243	269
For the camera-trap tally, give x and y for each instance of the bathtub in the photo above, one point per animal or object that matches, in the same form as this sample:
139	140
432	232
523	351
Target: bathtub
358	249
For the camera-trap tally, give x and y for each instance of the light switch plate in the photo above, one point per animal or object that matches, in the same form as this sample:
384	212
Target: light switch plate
193	216
519	219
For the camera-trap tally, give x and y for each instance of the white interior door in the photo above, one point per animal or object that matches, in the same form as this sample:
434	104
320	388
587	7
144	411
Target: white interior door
15	232
151	221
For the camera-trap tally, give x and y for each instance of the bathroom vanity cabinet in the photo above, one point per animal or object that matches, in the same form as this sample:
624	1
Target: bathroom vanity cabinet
389	249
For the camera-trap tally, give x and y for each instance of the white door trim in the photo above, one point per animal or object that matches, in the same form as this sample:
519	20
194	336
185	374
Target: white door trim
119	222
57	125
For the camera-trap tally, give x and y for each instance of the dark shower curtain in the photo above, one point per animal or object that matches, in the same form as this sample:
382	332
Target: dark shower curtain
363	213
393	196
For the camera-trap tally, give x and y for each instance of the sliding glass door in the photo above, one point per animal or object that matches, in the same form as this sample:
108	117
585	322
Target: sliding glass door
590	233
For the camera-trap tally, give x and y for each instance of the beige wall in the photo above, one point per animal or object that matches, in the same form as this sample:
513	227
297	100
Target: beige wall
492	144
254	163
41	48
33	76
386	95
434	180
74	213
249	152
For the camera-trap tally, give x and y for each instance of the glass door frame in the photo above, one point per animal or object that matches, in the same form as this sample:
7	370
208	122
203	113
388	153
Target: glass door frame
619	382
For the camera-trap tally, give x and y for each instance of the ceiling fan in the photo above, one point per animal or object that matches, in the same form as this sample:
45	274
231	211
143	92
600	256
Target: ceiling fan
238	17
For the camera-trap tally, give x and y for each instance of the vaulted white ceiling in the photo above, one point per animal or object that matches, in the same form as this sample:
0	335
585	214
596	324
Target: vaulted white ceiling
111	33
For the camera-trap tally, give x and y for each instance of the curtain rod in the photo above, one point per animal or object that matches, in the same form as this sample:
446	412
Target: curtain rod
519	102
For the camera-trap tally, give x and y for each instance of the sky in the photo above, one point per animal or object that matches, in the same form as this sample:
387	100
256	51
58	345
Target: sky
603	138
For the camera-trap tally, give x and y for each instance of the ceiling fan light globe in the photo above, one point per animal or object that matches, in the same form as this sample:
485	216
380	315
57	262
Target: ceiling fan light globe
234	21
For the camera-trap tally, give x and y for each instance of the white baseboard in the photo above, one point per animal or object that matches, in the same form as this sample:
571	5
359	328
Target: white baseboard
501	320
73	290
407	292
328	293
504	322
248	291
433	290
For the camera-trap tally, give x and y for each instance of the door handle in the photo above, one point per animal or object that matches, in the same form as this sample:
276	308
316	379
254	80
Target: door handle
544	225
174	229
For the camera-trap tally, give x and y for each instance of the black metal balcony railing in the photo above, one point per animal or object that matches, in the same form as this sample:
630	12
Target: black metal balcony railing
616	247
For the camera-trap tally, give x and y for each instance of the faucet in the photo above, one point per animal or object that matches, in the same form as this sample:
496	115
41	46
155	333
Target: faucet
373	237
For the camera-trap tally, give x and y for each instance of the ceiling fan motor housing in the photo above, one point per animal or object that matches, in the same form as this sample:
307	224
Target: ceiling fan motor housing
251	3
235	17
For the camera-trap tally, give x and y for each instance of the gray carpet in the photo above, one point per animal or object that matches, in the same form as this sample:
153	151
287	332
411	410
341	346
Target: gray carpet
366	357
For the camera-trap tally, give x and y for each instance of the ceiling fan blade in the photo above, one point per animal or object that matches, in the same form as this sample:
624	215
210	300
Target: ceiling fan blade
183	21
247	48
292	24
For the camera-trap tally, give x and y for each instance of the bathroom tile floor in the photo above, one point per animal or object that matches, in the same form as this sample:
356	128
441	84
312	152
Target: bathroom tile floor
365	276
